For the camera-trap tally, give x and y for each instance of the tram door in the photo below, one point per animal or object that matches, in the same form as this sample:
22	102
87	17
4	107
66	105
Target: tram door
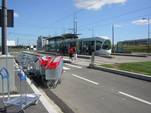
91	47
86	47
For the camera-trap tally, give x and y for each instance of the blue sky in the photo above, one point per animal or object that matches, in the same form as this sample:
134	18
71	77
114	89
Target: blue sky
55	17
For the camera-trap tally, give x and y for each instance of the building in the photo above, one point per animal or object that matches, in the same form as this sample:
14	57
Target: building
11	43
42	42
138	45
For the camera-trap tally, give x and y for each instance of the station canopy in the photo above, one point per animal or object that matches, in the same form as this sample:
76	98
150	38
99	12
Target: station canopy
63	37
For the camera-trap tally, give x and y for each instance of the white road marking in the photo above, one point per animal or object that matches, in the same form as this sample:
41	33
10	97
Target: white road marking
73	66
85	79
45	100
65	59
135	98
65	68
5	96
16	95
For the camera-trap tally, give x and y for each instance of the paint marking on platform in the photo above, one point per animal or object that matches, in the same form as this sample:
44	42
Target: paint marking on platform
5	96
135	98
65	68
90	81
73	66
45	100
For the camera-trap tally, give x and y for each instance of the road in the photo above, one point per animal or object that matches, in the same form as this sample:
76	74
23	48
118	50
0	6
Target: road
91	91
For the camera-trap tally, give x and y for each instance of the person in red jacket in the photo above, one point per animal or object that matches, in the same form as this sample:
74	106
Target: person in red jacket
71	52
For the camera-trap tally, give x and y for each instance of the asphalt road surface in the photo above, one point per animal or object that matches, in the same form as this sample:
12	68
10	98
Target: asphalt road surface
91	91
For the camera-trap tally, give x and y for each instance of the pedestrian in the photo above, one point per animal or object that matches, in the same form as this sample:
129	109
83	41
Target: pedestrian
71	51
74	53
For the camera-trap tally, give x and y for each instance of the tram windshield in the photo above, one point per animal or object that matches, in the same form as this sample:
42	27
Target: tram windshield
98	45
107	45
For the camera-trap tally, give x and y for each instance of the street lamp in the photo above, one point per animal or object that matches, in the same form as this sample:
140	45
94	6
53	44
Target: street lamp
148	23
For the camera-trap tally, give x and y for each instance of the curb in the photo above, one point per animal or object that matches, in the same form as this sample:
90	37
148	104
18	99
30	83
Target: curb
69	62
132	55
54	53
123	73
84	57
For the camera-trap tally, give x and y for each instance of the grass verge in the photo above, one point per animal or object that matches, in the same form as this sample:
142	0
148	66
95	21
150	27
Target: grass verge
138	67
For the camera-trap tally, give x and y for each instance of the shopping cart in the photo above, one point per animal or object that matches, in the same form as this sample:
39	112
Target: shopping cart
23	100
53	72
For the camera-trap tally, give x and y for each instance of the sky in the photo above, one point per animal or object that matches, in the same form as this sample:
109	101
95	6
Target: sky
33	18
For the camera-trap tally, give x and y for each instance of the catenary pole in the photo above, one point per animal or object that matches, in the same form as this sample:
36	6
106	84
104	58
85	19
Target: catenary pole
4	27
113	48
148	33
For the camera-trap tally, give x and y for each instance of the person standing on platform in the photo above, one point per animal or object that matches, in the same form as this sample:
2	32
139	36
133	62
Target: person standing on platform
71	52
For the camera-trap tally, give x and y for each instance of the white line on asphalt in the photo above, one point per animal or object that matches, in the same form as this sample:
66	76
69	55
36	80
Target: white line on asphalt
85	79
65	68
16	95
73	66
47	103
135	98
65	59
5	96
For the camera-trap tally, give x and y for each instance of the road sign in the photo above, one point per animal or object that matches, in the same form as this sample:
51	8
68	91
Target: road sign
10	18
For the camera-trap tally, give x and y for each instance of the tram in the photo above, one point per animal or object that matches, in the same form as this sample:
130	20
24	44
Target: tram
101	45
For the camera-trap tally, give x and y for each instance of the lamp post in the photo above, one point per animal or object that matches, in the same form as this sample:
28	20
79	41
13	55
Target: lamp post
148	24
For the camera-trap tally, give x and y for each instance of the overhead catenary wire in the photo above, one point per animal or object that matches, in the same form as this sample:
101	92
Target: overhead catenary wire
94	24
110	23
81	29
118	16
74	13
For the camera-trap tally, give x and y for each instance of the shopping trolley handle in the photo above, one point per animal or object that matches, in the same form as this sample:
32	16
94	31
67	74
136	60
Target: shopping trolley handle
22	75
4	73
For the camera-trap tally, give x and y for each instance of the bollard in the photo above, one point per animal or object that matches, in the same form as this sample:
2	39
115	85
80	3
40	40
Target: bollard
75	56
92	60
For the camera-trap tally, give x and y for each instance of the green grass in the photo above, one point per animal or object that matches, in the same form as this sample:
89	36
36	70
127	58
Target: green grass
139	67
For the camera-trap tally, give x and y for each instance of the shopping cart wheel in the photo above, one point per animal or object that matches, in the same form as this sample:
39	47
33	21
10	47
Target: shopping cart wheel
55	83
36	102
3	110
59	81
49	84
21	111
54	86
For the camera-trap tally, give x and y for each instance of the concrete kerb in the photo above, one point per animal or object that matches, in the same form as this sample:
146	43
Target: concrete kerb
123	73
83	56
132	55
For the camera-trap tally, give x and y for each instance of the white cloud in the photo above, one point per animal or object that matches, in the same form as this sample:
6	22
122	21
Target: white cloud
16	15
96	4
141	22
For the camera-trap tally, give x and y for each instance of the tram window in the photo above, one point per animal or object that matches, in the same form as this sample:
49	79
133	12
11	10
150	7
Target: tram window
98	45
107	45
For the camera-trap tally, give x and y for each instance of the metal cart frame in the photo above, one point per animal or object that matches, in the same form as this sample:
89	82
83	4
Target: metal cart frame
24	100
